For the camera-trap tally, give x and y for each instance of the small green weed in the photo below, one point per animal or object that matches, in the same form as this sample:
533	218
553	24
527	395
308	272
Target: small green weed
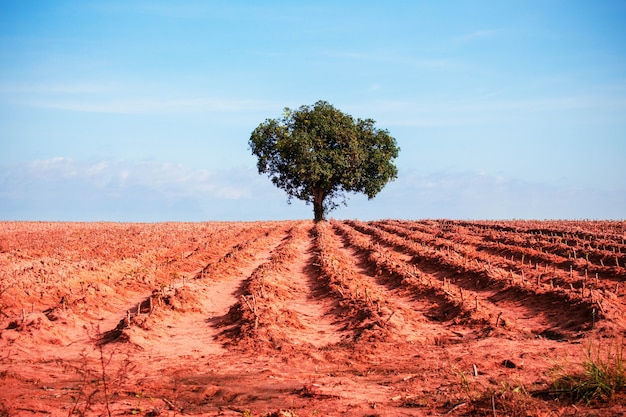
603	375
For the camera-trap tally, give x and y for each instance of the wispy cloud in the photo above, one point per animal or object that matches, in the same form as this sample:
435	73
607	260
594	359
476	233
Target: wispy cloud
119	98
482	109
139	106
91	99
58	88
475	35
398	58
483	195
114	177
65	189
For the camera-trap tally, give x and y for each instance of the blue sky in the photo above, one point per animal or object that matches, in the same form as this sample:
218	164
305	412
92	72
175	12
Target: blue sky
142	111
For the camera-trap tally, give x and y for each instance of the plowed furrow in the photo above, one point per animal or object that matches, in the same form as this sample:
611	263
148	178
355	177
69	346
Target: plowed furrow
318	313
282	305
569	276
455	302
208	245
406	318
574	273
196	329
294	318
594	249
557	309
363	308
99	272
220	265
398	275
466	249
512	248
575	278
195	299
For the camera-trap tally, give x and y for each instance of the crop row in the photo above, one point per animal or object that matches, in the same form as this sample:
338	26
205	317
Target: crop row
180	295
259	308
359	299
453	301
527	263
599	230
154	259
475	272
581	253
240	243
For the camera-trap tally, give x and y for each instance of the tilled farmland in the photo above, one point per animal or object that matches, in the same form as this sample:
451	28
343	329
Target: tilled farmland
292	318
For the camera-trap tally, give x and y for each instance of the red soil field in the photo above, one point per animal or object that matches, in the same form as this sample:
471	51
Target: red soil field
292	318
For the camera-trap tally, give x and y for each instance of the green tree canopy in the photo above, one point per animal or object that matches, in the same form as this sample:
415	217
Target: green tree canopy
318	154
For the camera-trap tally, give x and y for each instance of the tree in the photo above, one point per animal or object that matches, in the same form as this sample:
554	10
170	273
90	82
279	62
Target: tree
318	154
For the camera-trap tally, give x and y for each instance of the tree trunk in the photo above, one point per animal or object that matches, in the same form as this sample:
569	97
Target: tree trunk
318	205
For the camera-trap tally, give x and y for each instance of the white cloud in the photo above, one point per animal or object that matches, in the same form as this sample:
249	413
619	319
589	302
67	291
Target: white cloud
117	176
58	166
66	189
483	195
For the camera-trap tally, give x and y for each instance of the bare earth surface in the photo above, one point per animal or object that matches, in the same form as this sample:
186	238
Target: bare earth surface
342	318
